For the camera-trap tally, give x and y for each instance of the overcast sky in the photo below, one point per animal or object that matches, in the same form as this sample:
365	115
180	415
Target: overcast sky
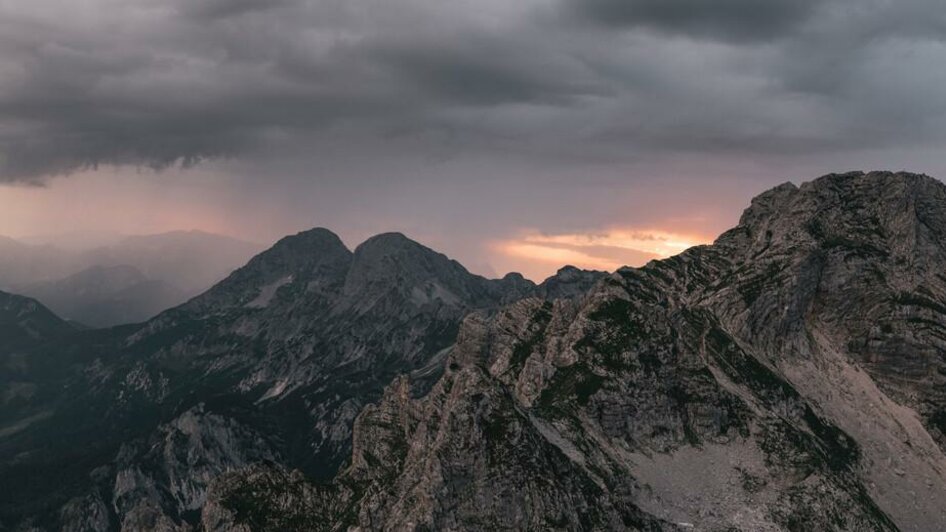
510	135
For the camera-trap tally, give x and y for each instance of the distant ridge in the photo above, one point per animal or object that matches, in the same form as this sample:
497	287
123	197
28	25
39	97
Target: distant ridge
169	269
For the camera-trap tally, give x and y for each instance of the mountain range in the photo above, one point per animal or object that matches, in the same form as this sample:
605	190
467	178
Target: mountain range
127	281
788	376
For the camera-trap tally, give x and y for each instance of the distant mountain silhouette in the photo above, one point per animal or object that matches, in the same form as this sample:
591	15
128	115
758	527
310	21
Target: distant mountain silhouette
127	282
102	296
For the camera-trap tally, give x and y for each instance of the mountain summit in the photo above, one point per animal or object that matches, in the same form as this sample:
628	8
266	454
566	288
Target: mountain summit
787	377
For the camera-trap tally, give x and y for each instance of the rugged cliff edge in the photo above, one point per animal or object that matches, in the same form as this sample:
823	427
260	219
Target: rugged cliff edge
788	377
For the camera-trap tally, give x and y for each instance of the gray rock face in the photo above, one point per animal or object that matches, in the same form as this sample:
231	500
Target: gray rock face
787	377
167	475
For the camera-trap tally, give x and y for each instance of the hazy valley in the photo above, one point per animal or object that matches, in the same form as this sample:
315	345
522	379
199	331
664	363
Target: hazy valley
126	281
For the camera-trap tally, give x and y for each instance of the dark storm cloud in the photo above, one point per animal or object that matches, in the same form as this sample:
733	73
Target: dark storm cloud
485	70
730	20
150	83
211	10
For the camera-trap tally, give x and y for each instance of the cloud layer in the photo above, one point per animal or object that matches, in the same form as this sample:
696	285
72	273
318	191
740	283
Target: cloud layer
536	253
154	83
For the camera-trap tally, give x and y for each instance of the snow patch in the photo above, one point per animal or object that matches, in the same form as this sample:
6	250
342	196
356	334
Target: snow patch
267	292
275	391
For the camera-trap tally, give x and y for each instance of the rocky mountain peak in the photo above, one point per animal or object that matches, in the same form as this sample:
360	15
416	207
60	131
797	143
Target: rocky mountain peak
315	258
884	212
392	263
393	255
315	239
569	282
387	243
303	253
837	242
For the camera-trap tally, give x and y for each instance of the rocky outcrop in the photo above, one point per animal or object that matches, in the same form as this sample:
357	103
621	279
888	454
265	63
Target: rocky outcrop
786	377
164	478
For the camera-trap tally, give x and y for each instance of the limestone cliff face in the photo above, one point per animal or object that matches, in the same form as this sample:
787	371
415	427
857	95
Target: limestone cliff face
787	377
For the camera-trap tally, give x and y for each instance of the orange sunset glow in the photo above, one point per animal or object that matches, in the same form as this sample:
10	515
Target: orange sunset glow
538	254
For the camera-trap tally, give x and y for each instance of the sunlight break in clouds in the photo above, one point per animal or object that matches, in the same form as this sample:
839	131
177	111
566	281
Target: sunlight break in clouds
538	254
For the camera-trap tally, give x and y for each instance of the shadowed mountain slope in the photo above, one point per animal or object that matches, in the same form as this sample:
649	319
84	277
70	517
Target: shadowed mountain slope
272	363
